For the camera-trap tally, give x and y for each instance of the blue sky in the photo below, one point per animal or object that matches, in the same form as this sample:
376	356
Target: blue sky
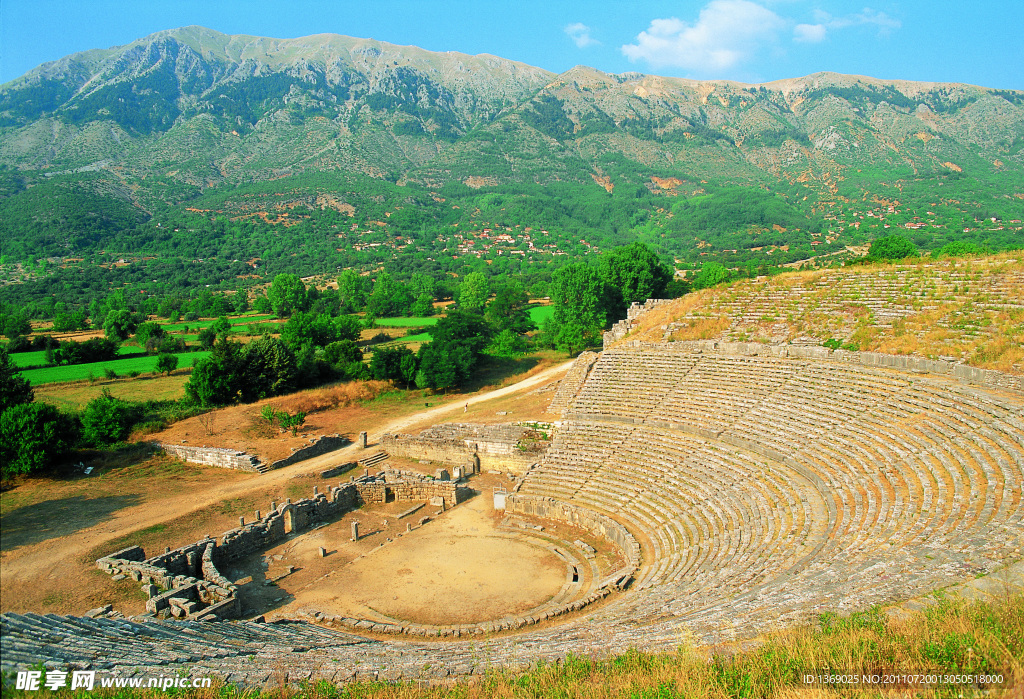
748	40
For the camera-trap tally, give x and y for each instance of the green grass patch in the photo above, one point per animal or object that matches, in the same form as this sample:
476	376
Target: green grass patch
406	322
26	359
207	322
80	372
418	337
538	314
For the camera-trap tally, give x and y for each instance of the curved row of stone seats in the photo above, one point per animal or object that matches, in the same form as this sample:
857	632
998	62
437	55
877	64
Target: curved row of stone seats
892	464
712	518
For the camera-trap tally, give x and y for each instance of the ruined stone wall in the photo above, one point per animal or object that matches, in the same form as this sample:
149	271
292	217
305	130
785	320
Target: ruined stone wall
213	456
319	446
622	328
497	446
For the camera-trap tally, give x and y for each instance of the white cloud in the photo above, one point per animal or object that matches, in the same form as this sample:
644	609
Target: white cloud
813	33
809	33
726	33
580	35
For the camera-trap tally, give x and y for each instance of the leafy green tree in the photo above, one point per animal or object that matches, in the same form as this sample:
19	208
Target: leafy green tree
167	363
319	330
353	290
68	322
508	343
634	274
473	292
267	367
221	326
579	297
711	274
394	363
454	351
510	309
149	335
423	306
106	420
287	294
14	389
120	324
389	297
216	380
892	247
16	325
960	248
32	436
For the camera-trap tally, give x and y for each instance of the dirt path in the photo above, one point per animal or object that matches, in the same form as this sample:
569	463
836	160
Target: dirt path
50	559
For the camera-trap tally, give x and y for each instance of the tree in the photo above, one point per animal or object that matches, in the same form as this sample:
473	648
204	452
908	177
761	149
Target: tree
287	294
149	335
267	367
635	274
711	274
14	389
394	363
473	292
508	343
221	326
353	290
892	247
509	309
120	324
580	300
389	297
106	420
34	435
15	326
449	358
216	380
167	363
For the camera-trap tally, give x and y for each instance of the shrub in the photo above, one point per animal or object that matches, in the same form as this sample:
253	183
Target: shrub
106	420
32	436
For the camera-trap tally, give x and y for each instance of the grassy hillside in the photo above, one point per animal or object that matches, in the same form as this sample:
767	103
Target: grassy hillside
969	310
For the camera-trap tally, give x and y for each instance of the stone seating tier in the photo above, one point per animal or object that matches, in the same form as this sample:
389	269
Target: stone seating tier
759	490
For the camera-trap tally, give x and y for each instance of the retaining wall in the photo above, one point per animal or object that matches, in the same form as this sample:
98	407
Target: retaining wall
213	456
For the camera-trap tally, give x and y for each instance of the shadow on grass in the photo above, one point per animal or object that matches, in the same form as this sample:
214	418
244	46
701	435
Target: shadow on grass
493	370
51	519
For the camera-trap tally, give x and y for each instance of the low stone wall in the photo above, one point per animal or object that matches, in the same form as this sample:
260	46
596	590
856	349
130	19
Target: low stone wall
213	456
319	446
598	524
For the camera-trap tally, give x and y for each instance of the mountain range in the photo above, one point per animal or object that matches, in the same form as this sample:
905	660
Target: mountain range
214	108
194	122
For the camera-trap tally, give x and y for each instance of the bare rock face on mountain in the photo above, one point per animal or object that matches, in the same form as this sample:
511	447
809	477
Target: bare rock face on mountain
207	108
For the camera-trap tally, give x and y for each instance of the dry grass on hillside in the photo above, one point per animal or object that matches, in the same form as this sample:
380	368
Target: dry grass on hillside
969	310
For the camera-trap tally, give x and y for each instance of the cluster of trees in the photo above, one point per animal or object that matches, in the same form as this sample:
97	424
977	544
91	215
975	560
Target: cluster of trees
36	435
589	299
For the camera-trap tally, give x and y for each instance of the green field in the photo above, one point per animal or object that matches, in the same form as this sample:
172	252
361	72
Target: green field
538	314
418	337
198	324
406	322
24	359
78	372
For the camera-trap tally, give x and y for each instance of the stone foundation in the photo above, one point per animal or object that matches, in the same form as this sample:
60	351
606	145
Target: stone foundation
505	447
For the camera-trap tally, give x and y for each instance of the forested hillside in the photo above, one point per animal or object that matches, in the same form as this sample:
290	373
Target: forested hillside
192	158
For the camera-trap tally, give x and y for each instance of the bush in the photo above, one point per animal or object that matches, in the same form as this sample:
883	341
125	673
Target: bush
106	420
32	436
891	247
166	363
14	390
